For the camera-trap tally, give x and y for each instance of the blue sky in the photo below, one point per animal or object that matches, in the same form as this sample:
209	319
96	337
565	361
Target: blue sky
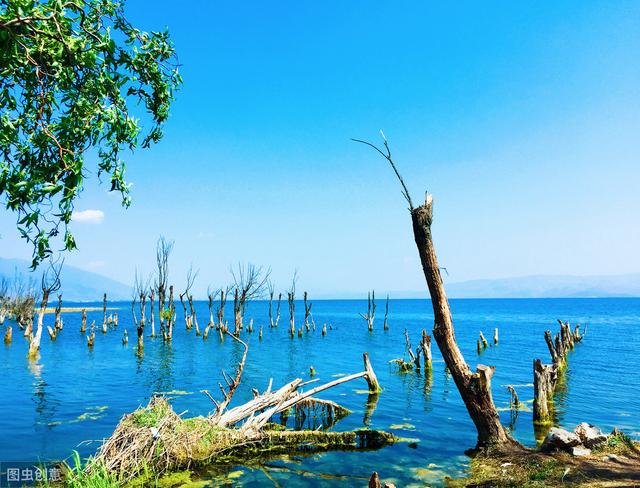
521	118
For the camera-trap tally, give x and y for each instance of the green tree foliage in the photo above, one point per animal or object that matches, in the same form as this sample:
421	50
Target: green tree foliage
74	76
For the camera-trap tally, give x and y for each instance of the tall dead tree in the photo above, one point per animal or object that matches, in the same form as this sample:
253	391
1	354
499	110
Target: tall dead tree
189	317
474	387
291	299
50	283
371	310
249	282
163	250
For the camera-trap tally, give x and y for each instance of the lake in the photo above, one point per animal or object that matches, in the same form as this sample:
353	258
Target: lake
73	397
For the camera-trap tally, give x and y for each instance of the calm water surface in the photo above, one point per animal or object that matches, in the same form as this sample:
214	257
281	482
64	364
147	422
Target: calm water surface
73	397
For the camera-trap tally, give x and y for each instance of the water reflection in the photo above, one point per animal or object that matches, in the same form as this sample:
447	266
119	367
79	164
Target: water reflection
370	407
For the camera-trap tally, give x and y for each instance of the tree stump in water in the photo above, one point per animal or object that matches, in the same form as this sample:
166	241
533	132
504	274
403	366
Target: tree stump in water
425	348
495	336
545	376
91	339
8	335
485	343
370	375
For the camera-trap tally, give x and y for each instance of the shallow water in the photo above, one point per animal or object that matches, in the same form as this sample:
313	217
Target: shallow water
74	395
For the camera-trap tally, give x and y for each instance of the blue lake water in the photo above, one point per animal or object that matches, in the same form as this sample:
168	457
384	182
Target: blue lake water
73	396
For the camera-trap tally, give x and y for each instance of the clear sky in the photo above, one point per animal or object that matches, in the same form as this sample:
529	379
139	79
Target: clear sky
522	118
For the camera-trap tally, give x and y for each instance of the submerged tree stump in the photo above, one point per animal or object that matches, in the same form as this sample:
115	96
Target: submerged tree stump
545	376
8	335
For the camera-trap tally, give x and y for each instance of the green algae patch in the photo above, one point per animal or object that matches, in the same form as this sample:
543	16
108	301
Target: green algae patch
405	426
174	393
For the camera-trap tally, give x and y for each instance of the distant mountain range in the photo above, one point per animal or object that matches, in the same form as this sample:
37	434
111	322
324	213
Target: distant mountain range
549	286
77	285
80	285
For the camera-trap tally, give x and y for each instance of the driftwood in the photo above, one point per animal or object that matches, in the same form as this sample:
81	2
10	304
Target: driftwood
545	376
172	442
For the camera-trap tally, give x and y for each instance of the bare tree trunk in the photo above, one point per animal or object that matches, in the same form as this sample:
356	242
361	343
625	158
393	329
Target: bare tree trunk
194	317
307	311
475	388
278	310
152	297
34	340
223	301
292	324
83	327
58	322
104	311
270	306
425	348
187	320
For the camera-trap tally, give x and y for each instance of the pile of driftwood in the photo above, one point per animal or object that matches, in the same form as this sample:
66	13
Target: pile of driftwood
545	376
156	438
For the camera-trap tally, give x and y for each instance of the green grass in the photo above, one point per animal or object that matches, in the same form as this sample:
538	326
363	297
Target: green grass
149	417
76	476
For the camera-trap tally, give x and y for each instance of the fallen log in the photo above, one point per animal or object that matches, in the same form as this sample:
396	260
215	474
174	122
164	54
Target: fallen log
156	438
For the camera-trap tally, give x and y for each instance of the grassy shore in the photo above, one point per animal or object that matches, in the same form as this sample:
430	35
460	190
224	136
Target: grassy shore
614	464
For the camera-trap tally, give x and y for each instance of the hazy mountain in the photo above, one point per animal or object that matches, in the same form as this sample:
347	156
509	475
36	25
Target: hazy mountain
549	286
77	284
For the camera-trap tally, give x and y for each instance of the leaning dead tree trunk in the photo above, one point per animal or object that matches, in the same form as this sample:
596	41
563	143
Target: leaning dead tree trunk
545	376
371	310
474	387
